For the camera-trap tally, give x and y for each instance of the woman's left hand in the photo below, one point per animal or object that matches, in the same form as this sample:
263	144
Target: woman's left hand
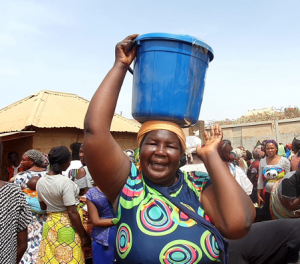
212	142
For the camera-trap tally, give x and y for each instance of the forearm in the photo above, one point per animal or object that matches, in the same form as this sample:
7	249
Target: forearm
76	223
290	204
21	244
235	208
105	99
102	222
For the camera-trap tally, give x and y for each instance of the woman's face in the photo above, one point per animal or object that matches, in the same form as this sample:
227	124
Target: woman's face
159	157
81	156
26	162
271	149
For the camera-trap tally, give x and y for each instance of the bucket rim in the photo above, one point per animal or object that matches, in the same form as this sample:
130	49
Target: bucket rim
179	37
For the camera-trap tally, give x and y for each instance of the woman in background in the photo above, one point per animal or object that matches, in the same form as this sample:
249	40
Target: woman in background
271	168
103	233
295	159
33	163
63	233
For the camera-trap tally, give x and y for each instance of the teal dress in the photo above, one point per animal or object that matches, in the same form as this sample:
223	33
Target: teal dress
152	230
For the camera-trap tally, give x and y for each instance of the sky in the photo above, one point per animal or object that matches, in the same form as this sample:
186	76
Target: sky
68	46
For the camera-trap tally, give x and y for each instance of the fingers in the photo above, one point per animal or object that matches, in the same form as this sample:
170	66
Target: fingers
206	136
212	133
131	37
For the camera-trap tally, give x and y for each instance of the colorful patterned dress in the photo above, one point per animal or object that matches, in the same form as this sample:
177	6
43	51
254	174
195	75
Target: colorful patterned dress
152	230
35	228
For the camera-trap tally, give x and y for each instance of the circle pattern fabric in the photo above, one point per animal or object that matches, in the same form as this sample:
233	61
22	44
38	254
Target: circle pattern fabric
180	251
209	245
124	240
154	217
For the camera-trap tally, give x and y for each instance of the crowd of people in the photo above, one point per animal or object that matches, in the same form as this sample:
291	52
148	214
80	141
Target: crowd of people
172	200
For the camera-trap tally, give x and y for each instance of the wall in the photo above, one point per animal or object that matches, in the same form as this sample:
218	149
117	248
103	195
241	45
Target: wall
126	140
247	135
47	138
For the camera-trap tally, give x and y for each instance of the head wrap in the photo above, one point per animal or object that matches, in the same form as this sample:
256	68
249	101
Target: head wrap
36	156
58	156
238	153
192	143
161	125
272	141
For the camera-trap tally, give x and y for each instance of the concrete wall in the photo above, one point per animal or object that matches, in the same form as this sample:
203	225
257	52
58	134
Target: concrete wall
247	135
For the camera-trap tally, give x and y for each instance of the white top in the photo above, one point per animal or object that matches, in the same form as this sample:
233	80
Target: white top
57	192
194	167
75	164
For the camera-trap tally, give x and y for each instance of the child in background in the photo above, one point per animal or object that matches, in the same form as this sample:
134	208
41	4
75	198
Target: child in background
32	196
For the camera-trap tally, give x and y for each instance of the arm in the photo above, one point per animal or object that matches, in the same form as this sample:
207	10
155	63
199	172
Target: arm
43	205
107	163
75	220
225	202
94	216
260	185
291	204
21	244
81	173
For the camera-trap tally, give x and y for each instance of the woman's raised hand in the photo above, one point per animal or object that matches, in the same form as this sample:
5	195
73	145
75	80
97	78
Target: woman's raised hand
126	50
212	142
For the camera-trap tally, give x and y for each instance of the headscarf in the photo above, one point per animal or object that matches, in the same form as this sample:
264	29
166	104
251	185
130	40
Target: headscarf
161	125
36	156
57	156
192	143
272	141
238	152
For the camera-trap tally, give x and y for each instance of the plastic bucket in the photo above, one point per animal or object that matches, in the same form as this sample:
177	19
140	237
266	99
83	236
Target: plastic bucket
169	78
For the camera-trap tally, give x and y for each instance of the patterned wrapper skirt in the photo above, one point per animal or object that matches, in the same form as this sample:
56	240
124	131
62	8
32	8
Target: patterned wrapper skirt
60	242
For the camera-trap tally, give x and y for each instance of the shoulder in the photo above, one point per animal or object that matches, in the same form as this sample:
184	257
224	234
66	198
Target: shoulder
284	160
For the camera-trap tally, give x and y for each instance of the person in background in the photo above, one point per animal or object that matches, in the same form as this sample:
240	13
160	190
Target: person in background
295	159
281	150
33	165
194	162
268	242
271	169
285	196
75	162
236	170
63	233
248	157
263	146
288	150
15	216
103	234
15	168
239	156
253	176
159	208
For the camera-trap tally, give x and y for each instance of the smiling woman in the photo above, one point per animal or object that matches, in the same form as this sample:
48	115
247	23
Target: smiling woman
163	215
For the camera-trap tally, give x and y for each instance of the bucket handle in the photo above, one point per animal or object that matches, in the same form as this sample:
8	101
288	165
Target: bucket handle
133	43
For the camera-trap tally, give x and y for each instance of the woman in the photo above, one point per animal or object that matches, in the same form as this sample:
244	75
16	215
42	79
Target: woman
271	169
33	165
285	196
103	233
236	170
295	159
63	233
150	227
242	163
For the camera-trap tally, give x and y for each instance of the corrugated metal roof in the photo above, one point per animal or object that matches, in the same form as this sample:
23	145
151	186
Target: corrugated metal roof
49	109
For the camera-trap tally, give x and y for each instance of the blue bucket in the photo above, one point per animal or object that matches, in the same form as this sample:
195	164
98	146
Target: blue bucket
169	78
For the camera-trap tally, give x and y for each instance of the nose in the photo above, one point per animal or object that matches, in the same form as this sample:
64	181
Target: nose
160	150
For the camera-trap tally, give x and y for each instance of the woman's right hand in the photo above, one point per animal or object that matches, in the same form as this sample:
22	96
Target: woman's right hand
126	50
259	200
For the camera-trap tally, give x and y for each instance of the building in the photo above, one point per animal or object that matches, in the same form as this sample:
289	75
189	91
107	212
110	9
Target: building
47	119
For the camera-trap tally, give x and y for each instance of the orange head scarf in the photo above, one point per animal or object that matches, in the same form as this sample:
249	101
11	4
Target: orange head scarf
161	125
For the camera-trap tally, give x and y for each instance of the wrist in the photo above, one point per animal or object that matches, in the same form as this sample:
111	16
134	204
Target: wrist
120	65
